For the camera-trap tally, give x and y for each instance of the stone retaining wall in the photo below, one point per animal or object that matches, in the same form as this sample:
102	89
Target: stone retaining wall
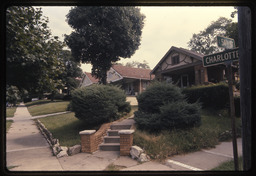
57	150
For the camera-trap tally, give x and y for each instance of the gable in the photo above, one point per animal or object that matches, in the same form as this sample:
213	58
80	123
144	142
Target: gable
171	61
178	57
113	75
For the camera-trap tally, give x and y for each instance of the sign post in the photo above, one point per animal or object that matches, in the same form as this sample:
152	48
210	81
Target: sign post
227	57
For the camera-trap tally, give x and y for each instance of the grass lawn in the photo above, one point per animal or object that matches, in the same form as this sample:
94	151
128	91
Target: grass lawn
168	143
66	127
8	124
229	165
42	107
10	111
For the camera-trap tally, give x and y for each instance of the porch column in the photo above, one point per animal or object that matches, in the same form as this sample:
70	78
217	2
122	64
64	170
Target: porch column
140	87
204	74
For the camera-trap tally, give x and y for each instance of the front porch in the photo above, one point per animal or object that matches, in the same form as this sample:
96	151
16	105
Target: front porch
194	75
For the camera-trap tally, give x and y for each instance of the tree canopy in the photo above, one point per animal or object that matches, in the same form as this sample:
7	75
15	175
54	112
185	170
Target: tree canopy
32	62
104	34
205	41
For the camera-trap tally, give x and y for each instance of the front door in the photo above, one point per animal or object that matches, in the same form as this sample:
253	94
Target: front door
184	81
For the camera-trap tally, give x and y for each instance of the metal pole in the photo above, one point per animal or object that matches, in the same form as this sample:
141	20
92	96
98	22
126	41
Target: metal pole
232	116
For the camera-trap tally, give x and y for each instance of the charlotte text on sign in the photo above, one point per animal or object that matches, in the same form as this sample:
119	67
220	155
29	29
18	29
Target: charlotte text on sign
217	58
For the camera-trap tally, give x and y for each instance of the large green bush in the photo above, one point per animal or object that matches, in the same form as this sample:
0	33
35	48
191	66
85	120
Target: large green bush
210	96
157	95
98	104
163	107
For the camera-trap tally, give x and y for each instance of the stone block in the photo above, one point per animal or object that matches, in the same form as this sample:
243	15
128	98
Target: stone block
143	158
62	154
74	150
135	152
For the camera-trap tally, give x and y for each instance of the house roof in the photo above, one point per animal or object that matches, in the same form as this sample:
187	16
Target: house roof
93	79
193	54
136	73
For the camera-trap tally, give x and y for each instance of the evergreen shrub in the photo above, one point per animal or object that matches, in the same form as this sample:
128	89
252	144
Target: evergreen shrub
98	104
163	107
210	96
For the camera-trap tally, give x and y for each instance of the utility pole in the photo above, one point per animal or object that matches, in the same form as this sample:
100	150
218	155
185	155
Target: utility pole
245	60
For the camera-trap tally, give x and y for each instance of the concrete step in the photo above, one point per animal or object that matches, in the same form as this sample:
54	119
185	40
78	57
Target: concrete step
111	139
110	147
120	127
113	133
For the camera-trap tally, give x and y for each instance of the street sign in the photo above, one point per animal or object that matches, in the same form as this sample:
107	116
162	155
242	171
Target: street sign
218	58
227	43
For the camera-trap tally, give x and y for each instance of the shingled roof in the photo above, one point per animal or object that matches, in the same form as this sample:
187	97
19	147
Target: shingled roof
93	79
136	73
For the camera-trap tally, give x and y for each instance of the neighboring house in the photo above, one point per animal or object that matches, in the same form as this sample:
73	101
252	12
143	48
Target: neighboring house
87	80
132	80
185	68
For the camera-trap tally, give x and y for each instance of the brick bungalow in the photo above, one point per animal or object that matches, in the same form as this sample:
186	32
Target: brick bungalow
185	68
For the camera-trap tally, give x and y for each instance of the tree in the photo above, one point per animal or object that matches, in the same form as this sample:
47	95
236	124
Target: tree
104	34
71	72
32	62
136	64
205	41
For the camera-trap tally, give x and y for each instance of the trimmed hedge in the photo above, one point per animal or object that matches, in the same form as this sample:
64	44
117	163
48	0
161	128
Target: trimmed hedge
211	96
163	107
98	104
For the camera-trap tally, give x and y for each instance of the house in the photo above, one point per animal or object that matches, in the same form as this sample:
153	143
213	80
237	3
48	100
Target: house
185	68
132	80
87	80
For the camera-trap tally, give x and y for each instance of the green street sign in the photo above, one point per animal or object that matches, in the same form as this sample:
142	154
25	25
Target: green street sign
227	43
219	58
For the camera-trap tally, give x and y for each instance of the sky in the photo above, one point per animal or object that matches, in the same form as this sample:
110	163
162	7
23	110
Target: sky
164	27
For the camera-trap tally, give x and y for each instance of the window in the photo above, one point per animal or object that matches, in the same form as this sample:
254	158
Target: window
175	60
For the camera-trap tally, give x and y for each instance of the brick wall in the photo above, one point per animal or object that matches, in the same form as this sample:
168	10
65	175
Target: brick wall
90	139
126	140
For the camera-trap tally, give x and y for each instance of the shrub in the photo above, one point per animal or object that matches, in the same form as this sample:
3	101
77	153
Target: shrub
163	107
172	115
157	95
98	104
211	96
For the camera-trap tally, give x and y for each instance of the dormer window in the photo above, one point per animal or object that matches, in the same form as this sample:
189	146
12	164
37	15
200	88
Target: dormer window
175	60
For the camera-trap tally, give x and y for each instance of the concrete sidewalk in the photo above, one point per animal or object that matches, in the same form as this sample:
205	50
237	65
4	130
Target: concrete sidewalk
27	150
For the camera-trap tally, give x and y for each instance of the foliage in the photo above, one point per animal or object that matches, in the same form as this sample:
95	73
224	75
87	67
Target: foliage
104	34
136	64
158	94
163	107
12	95
205	41
98	104
71	72
179	141
210	96
31	52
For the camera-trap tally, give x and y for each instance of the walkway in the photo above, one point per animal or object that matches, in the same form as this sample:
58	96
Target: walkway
26	148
